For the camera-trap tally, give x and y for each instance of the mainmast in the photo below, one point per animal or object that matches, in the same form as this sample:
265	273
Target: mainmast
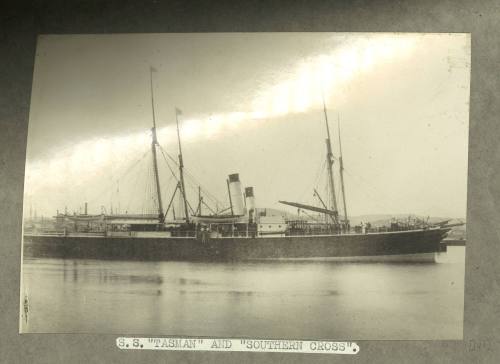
329	159
154	143
341	167
181	165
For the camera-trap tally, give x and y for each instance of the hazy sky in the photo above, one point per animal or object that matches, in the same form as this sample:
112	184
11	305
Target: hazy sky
252	104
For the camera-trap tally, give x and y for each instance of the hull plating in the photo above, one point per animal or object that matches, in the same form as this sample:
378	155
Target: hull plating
394	246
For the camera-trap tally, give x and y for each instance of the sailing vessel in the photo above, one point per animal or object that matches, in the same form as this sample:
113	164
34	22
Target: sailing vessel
240	232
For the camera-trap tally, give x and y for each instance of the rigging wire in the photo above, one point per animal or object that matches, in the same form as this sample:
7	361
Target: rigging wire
166	191
318	175
105	189
132	195
191	177
163	152
173	174
315	218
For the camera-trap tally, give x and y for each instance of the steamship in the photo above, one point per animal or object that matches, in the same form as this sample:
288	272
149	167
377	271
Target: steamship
241	232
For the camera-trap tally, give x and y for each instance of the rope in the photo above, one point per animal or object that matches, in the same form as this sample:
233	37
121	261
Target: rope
318	175
190	178
168	165
132	195
105	189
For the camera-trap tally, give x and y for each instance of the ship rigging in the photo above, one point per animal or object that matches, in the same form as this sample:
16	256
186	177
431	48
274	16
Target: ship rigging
238	231
334	222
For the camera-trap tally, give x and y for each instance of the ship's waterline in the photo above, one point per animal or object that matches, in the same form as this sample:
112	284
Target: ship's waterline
400	258
262	299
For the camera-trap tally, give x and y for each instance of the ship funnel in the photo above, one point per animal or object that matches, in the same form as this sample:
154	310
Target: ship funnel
236	194
250	199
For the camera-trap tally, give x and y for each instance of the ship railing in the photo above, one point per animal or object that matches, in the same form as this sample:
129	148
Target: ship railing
45	232
64	233
184	234
85	233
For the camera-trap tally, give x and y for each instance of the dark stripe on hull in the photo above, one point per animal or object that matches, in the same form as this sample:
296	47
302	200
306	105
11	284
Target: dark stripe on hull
228	249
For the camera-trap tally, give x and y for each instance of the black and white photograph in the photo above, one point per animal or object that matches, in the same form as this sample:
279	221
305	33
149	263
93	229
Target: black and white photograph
247	185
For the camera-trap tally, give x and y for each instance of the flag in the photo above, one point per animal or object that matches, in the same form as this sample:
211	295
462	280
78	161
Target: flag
152	69
178	111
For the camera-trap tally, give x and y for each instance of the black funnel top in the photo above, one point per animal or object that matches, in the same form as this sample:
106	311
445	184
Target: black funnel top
235	177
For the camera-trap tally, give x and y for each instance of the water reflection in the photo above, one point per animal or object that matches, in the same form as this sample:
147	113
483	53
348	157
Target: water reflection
262	299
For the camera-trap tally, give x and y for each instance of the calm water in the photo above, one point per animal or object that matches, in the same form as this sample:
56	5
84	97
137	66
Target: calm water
321	300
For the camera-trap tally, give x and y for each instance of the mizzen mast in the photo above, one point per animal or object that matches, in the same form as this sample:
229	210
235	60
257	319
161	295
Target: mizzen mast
329	159
341	168
154	143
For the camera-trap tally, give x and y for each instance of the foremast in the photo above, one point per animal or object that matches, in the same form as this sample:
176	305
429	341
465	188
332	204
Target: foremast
154	143
329	162
181	167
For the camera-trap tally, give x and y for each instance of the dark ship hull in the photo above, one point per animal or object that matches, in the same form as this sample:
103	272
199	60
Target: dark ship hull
413	245
240	235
